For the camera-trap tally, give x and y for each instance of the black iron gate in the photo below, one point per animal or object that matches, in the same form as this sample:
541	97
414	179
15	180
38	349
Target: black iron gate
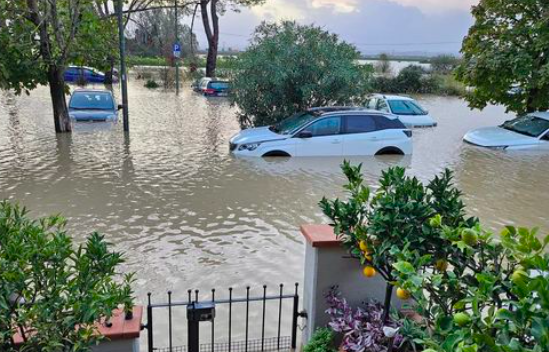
272	326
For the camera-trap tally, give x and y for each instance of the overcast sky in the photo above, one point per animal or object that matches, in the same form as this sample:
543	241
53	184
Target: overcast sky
372	25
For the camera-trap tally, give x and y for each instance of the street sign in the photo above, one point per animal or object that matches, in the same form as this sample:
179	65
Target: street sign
177	50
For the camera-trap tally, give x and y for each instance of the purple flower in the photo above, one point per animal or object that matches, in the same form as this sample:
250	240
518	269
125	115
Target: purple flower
362	328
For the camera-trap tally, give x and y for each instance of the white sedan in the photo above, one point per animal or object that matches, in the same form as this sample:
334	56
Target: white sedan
407	109
524	132
327	132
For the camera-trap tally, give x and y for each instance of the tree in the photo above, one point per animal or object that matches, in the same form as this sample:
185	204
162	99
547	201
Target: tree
289	68
154	34
505	55
210	10
38	40
52	292
383	66
444	64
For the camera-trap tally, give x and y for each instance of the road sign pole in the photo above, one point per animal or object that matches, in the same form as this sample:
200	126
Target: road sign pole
123	76
175	57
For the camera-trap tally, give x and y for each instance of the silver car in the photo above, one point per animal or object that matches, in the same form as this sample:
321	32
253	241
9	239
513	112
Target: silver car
93	105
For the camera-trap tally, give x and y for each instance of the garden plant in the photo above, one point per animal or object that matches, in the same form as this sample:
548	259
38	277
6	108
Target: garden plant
53	293
472	291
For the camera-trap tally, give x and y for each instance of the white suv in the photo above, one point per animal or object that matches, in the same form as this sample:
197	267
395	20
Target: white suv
330	131
407	109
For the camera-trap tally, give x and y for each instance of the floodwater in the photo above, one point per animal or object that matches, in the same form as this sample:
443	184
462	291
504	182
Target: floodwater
189	215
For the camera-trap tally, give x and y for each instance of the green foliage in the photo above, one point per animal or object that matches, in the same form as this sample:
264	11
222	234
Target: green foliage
444	64
414	79
51	289
151	84
321	341
506	49
290	68
394	222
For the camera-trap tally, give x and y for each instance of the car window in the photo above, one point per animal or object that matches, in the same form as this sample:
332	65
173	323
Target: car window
372	103
326	127
92	101
218	85
72	71
382	106
359	124
528	125
406	107
546	137
383	123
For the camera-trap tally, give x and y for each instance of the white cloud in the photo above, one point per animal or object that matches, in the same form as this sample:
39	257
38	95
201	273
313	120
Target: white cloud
437	6
279	10
344	6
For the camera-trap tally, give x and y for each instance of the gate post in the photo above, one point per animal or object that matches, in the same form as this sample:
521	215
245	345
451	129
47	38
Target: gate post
295	315
150	323
193	330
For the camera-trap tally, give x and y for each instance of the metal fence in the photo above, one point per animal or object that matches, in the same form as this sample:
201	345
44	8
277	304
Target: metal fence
270	316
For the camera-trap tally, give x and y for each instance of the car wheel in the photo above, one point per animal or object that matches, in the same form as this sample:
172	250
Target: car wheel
390	151
278	153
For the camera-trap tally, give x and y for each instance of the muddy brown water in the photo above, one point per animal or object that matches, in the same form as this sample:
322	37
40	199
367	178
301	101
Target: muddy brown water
189	215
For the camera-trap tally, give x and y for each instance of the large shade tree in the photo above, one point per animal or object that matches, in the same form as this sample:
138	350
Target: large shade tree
506	55
210	11
39	39
289	68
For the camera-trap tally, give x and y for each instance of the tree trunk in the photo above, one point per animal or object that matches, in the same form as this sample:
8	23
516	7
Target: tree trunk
57	91
109	74
387	302
211	34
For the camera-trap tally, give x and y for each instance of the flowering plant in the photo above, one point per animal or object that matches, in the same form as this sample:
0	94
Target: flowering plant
363	329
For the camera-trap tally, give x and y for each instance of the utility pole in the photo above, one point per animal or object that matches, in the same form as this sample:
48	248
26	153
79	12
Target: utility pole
175	57
123	76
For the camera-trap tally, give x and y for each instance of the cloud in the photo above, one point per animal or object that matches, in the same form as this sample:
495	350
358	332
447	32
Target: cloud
438	6
274	10
343	6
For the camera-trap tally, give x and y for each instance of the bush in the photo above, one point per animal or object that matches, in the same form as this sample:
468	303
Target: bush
476	294
51	290
444	64
151	84
321	341
290	68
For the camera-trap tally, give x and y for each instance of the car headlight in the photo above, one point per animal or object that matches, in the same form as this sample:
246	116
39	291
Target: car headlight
111	117
249	147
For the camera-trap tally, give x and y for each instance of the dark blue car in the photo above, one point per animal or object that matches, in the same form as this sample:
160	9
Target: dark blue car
85	74
215	88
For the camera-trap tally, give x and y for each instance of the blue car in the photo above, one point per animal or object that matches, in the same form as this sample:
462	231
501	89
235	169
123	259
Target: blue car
96	105
85	74
214	88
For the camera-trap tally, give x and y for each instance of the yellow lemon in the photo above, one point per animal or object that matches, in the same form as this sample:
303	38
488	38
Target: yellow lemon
441	265
369	271
403	294
368	258
363	246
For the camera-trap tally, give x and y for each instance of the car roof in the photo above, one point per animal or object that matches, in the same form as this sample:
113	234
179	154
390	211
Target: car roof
92	91
391	97
346	110
541	114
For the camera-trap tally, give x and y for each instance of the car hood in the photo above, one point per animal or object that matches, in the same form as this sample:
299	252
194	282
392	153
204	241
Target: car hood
91	114
256	135
417	120
497	137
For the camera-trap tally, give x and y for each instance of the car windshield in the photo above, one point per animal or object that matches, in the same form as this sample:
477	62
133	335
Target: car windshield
529	125
219	85
293	123
406	107
91	101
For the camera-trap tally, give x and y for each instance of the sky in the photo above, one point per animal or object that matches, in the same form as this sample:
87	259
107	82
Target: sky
374	26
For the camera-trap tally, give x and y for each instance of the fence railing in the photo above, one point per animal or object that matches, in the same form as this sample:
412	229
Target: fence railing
249	323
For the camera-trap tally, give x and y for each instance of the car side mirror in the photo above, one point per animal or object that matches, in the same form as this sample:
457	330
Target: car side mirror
305	134
120	106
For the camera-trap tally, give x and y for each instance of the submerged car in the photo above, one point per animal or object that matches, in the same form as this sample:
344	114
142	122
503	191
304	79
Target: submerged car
407	109
524	132
200	83
85	74
327	132
93	105
216	88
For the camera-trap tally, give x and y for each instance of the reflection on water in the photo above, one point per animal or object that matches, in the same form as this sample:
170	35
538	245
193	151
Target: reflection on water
190	215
